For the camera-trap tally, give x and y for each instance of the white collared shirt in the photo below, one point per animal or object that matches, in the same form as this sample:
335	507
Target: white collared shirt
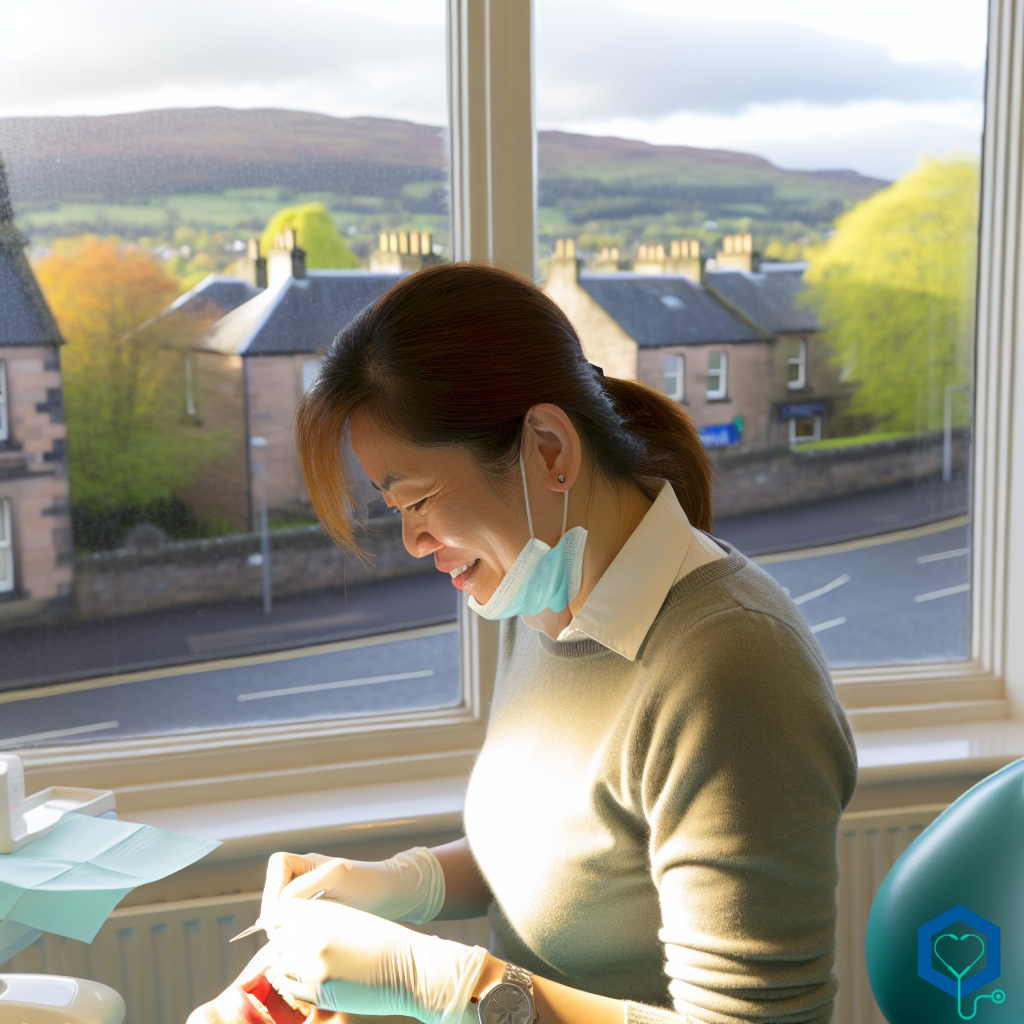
621	608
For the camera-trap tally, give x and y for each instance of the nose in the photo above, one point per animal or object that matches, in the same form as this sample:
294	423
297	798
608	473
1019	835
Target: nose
418	542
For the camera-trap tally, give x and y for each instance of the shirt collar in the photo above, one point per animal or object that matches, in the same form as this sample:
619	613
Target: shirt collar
619	611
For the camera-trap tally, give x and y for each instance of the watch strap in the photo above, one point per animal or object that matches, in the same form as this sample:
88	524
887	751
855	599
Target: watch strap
518	976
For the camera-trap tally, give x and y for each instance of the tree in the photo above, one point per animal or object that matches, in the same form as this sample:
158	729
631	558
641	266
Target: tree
317	235
128	443
894	287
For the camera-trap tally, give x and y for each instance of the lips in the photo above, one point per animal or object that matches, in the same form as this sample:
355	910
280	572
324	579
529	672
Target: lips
460	574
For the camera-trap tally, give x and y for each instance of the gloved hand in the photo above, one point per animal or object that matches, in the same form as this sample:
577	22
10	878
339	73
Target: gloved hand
339	958
407	887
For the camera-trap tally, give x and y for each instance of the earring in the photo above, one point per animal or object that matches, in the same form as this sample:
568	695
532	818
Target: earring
561	479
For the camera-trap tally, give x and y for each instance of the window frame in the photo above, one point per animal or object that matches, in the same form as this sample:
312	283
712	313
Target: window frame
678	394
800	361
722	373
795	441
7	544
493	143
5	404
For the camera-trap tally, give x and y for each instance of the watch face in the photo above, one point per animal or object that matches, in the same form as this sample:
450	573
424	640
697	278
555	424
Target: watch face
506	1004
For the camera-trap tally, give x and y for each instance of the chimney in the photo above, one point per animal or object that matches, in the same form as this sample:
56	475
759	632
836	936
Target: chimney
650	259
403	250
253	266
684	259
563	268
286	259
608	261
737	253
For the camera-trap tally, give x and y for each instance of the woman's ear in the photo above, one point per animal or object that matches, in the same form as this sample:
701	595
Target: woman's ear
551	446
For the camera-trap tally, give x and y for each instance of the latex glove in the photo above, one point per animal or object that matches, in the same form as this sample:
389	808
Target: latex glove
407	887
339	958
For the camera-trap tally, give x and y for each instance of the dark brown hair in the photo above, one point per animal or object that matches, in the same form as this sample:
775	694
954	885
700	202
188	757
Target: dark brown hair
455	355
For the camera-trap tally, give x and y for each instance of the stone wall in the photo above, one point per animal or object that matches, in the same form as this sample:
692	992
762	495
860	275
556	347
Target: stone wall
125	582
780	477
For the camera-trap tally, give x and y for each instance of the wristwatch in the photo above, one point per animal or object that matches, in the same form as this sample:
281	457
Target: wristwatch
510	1001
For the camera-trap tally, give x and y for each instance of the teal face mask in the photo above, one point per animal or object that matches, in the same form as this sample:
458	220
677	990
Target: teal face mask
542	576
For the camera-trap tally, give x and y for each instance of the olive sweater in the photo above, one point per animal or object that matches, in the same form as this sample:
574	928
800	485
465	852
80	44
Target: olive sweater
663	830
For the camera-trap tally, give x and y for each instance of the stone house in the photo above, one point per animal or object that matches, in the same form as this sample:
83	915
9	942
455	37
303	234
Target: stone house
736	348
242	380
36	553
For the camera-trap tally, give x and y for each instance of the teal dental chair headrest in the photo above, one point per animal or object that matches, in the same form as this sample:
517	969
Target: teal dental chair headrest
945	937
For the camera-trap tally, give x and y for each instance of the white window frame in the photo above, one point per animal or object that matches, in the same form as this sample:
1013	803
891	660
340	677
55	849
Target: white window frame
800	362
6	546
675	371
794	440
494	208
721	375
5	402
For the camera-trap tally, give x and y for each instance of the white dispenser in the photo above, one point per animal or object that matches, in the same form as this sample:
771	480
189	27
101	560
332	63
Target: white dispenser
23	820
51	999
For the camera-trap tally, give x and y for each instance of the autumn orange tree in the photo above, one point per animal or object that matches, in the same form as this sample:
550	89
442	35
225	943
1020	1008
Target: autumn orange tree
127	441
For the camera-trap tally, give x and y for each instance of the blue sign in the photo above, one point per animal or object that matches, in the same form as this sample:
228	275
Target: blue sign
722	435
801	410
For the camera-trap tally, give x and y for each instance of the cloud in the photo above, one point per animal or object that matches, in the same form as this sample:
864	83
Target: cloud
607	65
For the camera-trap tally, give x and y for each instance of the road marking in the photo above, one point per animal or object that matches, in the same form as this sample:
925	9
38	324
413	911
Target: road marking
933	595
811	595
56	734
940	556
287	691
863	542
841	621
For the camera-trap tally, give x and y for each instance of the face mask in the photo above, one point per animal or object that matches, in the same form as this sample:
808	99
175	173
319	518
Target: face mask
541	577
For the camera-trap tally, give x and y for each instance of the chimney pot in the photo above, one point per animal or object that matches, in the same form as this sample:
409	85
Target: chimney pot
674	249
414	243
615	253
559	248
661	251
426	243
253	249
570	249
382	243
748	243
393	242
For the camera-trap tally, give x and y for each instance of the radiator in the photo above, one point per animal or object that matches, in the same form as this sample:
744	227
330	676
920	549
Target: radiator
167	958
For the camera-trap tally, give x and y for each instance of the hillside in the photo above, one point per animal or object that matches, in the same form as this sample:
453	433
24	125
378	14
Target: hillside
101	173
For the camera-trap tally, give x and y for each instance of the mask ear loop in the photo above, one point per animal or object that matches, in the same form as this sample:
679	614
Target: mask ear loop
565	513
526	493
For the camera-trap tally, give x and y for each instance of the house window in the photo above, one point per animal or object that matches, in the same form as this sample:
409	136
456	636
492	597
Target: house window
310	369
804	429
190	394
718	374
6	546
4	429
798	367
675	377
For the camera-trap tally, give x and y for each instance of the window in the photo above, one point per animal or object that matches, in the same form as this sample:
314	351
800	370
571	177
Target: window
675	378
4	427
804	428
718	374
310	369
6	547
798	367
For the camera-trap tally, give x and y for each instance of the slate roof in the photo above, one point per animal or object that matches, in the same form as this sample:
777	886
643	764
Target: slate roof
769	297
658	310
25	318
298	315
220	289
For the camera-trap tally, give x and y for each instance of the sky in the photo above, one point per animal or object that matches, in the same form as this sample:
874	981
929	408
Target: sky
811	84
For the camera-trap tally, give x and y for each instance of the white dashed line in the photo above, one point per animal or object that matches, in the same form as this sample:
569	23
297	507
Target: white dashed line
56	734
941	556
933	595
288	691
841	621
810	596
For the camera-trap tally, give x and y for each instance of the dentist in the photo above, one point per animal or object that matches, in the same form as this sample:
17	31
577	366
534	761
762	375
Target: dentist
651	822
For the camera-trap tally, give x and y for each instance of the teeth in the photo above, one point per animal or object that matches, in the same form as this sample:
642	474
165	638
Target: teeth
462	568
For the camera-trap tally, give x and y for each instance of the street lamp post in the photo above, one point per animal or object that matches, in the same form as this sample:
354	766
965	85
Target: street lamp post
260	469
947	431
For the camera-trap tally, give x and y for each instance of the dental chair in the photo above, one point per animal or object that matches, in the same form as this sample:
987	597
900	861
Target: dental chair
945	937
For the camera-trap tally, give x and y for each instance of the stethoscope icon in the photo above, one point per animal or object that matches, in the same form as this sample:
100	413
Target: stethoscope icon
998	996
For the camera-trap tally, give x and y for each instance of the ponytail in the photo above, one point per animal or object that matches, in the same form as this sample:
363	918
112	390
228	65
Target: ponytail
455	355
672	448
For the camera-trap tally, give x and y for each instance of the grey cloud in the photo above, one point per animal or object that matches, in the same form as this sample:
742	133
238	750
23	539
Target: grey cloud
594	61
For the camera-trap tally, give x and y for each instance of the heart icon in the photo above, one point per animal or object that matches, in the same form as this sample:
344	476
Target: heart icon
964	950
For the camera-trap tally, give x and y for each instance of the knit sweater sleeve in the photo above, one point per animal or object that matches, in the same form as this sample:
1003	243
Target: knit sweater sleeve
742	761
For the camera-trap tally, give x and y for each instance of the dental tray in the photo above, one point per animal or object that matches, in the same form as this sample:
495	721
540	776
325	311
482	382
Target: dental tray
38	813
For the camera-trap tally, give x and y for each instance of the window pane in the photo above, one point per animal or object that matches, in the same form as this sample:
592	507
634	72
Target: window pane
202	221
814	213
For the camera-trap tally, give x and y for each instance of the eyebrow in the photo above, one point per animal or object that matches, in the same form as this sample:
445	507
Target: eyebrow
391	478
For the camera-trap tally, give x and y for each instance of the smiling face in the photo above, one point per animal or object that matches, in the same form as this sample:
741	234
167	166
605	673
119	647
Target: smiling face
450	508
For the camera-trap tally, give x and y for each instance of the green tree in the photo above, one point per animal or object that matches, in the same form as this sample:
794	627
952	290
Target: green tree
894	287
325	248
128	443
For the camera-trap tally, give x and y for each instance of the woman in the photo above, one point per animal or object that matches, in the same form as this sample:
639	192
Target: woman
651	822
